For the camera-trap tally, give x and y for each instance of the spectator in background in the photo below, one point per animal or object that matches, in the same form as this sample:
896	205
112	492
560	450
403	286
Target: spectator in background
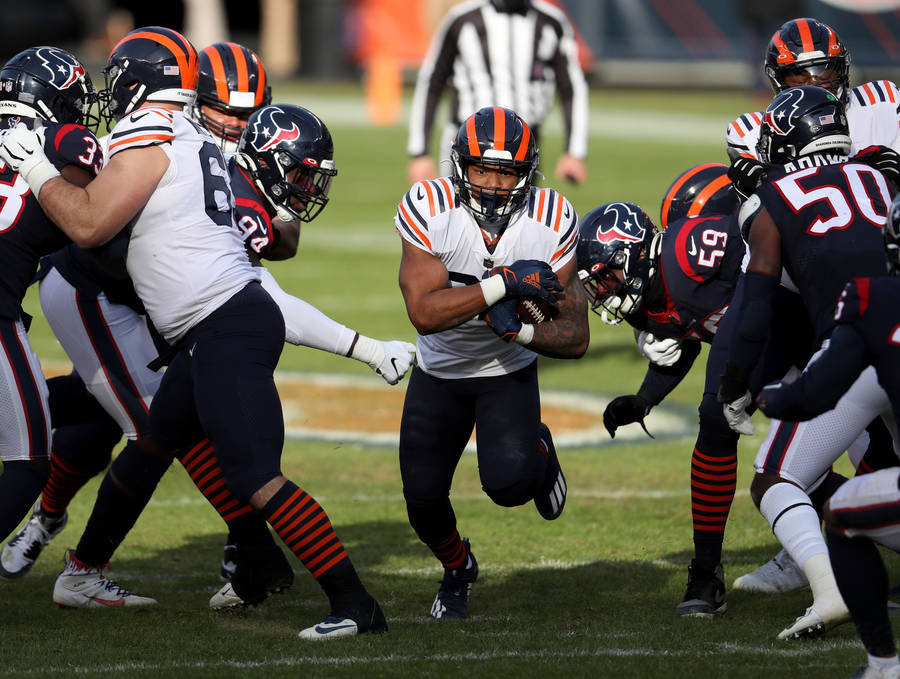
510	53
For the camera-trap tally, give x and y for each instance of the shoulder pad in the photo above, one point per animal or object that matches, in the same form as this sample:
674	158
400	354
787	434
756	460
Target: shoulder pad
551	209
144	127
853	302
743	125
424	201
875	92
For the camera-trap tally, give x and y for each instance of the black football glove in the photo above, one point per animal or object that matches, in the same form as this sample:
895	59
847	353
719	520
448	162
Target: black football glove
624	410
530	278
881	158
503	319
746	175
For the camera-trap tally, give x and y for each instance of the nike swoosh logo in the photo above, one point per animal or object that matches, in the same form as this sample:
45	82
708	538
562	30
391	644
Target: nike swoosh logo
322	629
137	116
394	364
106	602
567	212
692	250
419	194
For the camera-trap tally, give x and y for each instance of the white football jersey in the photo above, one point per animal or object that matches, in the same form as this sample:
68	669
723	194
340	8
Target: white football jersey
185	257
872	114
428	216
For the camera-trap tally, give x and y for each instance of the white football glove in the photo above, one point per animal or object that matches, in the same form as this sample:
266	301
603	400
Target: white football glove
664	352
391	359
23	150
736	415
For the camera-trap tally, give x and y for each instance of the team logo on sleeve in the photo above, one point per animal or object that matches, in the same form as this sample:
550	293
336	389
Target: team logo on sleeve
271	127
62	68
624	225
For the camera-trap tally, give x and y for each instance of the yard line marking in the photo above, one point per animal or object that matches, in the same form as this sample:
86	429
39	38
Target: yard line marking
810	651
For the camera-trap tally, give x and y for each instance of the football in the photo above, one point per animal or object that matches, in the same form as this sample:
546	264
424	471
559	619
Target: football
535	310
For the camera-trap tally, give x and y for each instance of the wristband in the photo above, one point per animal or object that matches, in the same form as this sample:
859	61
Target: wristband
493	288
526	334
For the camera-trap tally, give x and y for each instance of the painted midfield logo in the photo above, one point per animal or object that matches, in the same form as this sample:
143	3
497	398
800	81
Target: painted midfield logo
63	70
272	127
626	225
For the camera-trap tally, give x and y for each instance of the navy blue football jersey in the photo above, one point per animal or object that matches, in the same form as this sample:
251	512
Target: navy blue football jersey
830	219
26	234
90	279
251	216
699	263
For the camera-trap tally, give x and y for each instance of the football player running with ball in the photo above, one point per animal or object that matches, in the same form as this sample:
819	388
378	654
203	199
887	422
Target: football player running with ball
474	244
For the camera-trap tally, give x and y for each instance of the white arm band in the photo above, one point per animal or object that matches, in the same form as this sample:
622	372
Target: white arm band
493	288
526	334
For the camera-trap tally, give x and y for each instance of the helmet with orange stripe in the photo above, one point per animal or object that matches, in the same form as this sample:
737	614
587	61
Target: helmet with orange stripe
149	64
493	141
802	121
288	153
699	191
808	52
618	250
50	84
231	86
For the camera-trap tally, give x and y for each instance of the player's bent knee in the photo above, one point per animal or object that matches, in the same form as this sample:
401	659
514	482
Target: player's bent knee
513	495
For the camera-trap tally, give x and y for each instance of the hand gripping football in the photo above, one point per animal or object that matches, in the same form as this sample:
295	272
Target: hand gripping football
535	310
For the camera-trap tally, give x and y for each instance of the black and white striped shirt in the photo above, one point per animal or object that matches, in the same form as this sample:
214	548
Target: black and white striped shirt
492	58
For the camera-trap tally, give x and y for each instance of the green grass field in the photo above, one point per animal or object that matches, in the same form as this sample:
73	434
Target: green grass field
590	595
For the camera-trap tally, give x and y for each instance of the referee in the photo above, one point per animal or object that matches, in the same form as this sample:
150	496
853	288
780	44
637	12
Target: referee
510	53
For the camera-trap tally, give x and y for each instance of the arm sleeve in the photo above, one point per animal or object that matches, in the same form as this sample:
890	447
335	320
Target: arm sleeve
754	316
573	92
432	77
822	383
660	381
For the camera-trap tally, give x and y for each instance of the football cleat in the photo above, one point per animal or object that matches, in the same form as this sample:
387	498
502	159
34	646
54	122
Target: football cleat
20	553
260	571
452	600
551	499
869	672
83	586
363	618
779	575
818	619
705	595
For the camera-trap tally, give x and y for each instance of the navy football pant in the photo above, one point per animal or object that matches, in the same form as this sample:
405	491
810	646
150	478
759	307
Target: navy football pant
438	418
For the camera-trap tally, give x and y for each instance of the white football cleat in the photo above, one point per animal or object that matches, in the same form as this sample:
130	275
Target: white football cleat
20	553
819	618
331	627
367	619
779	575
225	598
869	672
83	586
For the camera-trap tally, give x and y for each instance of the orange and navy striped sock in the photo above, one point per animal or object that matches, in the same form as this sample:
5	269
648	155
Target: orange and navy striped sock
451	551
203	467
305	528
713	482
64	482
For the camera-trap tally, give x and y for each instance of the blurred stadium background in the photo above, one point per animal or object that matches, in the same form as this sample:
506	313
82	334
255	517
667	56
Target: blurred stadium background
379	43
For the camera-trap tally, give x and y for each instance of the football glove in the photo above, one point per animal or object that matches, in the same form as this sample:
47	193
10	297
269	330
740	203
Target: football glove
737	416
664	351
391	360
625	410
529	278
881	158
746	174
22	149
503	319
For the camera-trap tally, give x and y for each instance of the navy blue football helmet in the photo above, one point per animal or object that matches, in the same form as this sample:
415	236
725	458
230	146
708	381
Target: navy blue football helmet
50	84
617	254
801	121
699	191
811	50
149	64
289	154
494	137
